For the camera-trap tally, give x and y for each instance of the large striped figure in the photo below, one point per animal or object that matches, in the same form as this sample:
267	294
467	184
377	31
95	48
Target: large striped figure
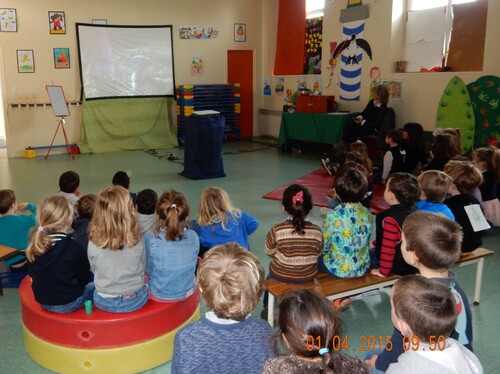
351	58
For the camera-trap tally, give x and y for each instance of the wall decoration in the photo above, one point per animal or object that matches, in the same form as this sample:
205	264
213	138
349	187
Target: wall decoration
57	22
240	32
332	64
375	76
314	41
267	86
279	86
8	20
198	32
61	58
196	66
25	61
455	110
485	96
99	21
395	89
317	86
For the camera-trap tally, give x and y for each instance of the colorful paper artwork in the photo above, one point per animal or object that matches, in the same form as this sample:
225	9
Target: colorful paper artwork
25	61
240	32
8	20
198	32
317	86
196	66
267	86
314	41
279	86
395	89
61	58
57	22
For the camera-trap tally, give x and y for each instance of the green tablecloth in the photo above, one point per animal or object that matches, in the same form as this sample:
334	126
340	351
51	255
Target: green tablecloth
312	127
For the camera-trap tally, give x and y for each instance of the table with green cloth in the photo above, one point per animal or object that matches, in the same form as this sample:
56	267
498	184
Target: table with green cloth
312	127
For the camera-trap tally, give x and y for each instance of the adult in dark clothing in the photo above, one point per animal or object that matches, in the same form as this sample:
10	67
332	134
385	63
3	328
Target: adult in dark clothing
375	119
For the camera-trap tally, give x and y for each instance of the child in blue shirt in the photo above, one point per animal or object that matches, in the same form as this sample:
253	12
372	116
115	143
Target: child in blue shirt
434	186
171	250
15	228
220	222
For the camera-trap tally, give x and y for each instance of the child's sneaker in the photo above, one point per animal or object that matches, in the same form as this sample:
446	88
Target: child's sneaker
326	165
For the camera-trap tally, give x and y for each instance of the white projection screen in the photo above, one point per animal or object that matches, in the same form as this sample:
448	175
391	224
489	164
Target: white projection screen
125	61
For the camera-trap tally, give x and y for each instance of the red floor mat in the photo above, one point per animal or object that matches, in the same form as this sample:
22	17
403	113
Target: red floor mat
319	182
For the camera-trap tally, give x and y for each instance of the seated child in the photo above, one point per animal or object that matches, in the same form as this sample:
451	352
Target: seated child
116	253
466	179
434	185
308	326
394	157
58	265
431	243
227	339
85	208
171	250
121	178
414	146
425	313
443	148
146	204
487	160
15	228
295	244
69	187
347	228
401	193
220	222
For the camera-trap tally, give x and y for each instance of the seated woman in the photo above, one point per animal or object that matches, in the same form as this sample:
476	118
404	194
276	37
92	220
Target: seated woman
375	119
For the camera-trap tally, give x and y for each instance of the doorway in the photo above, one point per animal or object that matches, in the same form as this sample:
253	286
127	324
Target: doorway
240	68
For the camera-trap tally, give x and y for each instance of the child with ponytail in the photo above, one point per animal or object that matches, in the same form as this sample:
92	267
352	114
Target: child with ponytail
295	244
171	250
116	253
58	265
309	329
487	160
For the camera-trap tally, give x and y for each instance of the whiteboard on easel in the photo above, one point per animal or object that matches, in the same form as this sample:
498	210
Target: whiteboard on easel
58	101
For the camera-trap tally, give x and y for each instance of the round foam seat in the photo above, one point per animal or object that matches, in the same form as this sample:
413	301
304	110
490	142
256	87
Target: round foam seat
101	329
127	359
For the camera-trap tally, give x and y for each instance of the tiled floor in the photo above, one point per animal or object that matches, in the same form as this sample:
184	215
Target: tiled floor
252	169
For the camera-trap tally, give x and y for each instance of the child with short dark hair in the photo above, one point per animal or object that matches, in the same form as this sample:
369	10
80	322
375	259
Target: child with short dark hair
434	185
146	204
309	327
121	178
15	228
58	265
172	250
414	145
431	243
401	193
425	312
227	339
466	179
347	228
69	187
443	148
394	157
85	208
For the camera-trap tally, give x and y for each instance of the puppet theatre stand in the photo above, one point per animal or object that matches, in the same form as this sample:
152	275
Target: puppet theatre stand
103	342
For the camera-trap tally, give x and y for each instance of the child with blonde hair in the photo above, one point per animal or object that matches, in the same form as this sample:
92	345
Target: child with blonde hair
172	250
220	222
487	160
434	185
58	265
227	339
116	253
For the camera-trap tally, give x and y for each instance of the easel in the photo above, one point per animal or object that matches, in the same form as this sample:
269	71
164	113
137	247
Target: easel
61	124
60	108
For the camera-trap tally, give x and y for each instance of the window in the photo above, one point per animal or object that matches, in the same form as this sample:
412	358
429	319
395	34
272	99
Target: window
427	4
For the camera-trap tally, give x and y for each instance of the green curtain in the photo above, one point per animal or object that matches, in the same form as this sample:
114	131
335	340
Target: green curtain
127	124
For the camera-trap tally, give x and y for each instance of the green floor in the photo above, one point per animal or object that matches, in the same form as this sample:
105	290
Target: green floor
252	169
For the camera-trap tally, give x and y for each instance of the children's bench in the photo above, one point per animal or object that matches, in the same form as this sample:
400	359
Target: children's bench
334	288
5	253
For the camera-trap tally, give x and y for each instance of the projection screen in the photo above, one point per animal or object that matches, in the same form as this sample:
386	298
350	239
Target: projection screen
125	61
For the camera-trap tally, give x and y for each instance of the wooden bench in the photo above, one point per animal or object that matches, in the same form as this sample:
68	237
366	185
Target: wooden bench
5	253
334	288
